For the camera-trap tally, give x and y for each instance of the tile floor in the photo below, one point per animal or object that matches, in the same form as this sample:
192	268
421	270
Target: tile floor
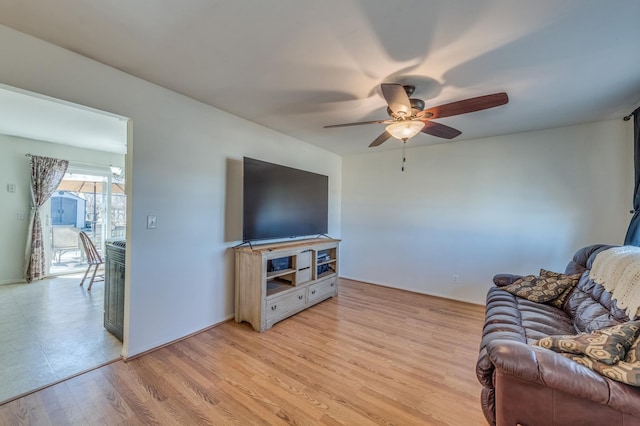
50	330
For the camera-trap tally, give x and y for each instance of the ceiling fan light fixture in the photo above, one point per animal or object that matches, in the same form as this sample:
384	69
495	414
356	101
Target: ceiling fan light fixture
404	130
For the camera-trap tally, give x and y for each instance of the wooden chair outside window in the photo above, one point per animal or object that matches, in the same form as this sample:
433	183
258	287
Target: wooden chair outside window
93	258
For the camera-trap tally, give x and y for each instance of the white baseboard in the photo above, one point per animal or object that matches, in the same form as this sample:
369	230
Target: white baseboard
142	351
13	281
415	290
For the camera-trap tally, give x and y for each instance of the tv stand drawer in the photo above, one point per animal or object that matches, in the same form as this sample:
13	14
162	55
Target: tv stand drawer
303	260
322	290
283	305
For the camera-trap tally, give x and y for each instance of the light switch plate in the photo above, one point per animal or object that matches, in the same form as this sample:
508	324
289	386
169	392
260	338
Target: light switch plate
151	222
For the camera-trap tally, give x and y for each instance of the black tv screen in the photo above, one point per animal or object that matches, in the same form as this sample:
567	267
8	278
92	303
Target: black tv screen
281	202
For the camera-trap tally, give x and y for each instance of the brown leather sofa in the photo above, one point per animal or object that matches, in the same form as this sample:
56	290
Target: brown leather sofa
529	385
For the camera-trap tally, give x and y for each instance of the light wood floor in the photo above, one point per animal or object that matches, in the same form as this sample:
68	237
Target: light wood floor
373	355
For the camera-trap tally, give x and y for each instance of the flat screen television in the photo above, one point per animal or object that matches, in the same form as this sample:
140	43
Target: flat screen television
282	202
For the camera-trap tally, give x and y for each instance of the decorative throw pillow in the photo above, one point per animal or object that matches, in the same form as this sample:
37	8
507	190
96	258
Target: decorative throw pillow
539	289
625	372
608	345
559	301
633	354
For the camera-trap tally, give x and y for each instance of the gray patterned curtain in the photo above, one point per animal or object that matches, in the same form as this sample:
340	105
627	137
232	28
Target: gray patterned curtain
633	233
46	175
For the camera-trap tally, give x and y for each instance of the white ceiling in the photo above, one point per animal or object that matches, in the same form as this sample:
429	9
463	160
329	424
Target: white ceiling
296	65
29	115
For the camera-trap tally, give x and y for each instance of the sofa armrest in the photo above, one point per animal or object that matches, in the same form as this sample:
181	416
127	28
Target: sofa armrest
502	280
547	368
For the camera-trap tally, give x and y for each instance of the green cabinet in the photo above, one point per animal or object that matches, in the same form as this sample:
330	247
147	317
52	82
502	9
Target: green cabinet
114	269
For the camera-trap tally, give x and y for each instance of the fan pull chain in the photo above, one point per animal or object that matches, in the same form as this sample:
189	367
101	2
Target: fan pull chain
404	150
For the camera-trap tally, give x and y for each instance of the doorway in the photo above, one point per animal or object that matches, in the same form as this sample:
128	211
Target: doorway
55	314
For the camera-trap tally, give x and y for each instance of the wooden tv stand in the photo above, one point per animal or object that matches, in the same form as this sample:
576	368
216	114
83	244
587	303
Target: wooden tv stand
275	281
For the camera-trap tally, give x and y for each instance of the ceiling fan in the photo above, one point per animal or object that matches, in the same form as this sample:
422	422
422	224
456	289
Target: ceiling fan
408	116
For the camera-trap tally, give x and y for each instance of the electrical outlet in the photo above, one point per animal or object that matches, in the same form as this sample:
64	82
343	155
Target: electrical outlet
11	187
20	216
456	278
151	222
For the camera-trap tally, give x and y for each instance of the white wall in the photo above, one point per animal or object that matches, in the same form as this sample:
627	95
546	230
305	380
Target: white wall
180	274
475	208
15	169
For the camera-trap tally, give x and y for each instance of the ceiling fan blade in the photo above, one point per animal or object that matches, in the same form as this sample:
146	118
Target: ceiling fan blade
380	139
465	106
397	98
440	130
359	123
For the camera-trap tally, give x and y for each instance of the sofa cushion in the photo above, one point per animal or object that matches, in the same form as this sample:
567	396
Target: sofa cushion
559	301
592	307
540	288
608	346
589	304
514	318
